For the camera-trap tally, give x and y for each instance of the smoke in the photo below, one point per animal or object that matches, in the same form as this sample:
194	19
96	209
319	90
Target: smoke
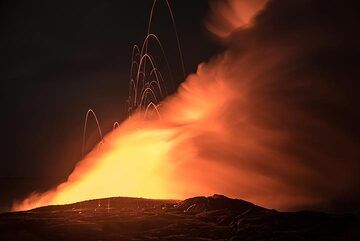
295	101
227	16
273	119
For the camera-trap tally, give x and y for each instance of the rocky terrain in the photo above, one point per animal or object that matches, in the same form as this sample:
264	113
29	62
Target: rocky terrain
199	218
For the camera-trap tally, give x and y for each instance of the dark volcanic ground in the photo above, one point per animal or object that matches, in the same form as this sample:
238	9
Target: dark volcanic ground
199	218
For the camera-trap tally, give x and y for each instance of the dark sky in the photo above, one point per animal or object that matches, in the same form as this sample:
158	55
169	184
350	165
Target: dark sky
60	58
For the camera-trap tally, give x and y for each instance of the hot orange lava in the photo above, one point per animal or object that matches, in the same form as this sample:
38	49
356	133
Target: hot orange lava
128	163
175	156
145	158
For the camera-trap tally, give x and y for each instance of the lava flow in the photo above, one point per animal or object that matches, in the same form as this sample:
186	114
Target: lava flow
245	125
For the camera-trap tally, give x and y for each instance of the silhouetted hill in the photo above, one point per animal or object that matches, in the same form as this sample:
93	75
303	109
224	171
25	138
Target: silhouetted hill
199	218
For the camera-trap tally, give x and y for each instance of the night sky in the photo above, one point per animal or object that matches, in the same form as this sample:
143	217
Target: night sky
60	58
298	68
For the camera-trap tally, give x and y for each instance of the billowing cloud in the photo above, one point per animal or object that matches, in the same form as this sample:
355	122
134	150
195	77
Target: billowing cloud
273	119
295	97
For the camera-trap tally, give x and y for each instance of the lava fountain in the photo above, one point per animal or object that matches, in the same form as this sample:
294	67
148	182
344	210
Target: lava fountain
243	125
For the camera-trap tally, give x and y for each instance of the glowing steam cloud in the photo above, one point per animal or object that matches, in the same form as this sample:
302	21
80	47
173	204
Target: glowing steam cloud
247	124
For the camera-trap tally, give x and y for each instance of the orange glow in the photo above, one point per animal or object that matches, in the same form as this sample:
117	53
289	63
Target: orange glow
129	163
185	153
231	128
144	158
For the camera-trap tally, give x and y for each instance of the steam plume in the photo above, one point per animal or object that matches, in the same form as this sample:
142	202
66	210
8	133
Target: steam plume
273	119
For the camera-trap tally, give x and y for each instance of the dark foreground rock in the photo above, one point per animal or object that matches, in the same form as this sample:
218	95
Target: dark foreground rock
200	218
